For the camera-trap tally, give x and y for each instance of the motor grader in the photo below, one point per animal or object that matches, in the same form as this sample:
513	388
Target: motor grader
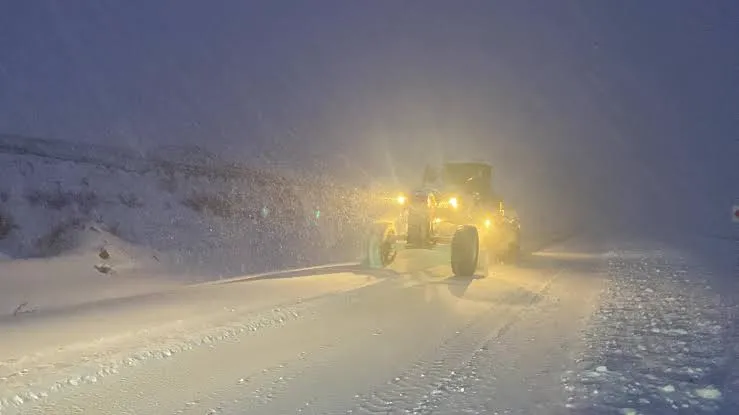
455	205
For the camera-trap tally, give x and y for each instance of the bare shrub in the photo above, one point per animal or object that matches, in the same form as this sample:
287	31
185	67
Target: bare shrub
58	200
130	200
23	309
103	268
168	184
57	239
168	180
114	229
220	204
24	167
86	201
6	225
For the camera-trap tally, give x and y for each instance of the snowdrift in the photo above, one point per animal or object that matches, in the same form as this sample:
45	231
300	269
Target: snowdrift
100	267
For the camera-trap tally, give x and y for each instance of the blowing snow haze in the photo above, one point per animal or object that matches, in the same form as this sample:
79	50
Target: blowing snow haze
587	110
204	207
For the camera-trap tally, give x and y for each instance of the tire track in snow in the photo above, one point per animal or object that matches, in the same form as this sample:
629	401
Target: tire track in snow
269	388
64	378
92	369
411	392
405	387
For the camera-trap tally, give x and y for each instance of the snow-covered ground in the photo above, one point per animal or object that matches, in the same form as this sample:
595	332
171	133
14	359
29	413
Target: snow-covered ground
46	353
665	338
589	325
352	339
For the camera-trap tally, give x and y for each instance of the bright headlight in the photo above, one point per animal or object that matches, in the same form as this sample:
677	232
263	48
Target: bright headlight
488	223
453	202
401	199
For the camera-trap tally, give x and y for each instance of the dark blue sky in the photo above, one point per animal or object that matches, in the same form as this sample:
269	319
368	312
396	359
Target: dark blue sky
628	104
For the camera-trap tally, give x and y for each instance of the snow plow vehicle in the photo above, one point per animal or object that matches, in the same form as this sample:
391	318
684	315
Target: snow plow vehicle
455	205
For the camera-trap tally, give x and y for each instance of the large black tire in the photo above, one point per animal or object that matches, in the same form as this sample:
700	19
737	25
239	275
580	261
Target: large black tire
465	251
380	246
419	231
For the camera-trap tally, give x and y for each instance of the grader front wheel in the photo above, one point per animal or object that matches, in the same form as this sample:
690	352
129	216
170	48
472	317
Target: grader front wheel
380	249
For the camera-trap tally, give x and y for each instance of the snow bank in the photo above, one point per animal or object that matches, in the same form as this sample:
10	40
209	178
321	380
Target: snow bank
100	267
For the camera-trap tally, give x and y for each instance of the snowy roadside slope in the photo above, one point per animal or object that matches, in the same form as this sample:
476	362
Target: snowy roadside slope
185	204
665	339
102	267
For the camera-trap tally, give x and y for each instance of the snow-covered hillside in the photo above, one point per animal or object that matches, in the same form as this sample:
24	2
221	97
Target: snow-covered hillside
194	211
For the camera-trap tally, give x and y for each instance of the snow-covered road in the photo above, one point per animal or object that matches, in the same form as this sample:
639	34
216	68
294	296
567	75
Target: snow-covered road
580	327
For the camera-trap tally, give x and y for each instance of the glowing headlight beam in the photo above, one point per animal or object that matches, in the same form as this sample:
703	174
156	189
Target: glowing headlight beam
453	202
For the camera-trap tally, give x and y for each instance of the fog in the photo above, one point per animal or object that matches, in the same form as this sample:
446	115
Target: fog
592	113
